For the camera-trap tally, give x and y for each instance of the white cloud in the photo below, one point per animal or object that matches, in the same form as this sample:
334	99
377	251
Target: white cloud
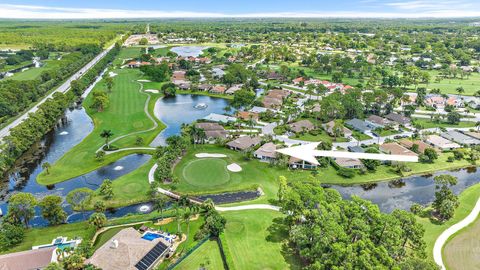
410	9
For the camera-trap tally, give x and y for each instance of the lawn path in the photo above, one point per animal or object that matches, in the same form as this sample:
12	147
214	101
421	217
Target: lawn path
442	239
155	125
170	194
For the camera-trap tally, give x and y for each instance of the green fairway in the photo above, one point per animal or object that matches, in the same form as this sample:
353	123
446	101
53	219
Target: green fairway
206	172
124	116
461	251
253	174
255	240
433	229
207	256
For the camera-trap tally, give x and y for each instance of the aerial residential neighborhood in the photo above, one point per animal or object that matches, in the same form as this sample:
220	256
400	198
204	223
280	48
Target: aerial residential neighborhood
209	135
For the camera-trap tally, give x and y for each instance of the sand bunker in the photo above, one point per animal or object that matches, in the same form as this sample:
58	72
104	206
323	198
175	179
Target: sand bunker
152	91
204	155
143	81
234	167
112	74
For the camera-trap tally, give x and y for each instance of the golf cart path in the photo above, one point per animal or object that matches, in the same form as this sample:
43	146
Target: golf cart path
170	194
155	125
442	239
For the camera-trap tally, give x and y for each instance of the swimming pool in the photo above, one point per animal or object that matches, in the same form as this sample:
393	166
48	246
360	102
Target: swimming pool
151	236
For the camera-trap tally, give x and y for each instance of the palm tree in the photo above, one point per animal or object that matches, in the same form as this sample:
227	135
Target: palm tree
477	124
159	204
106	134
193	132
202	136
186	218
46	166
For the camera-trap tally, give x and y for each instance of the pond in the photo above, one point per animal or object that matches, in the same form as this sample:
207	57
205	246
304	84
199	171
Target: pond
178	110
402	193
186	51
75	127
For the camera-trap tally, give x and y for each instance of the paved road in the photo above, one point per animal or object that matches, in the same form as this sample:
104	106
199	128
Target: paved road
61	89
442	239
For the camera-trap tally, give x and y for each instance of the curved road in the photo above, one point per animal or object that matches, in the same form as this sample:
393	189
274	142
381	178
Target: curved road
442	239
61	89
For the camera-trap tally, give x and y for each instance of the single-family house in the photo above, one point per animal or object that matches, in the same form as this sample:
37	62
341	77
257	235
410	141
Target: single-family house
244	143
30	259
301	126
378	121
359	125
420	144
217	72
219	118
233	89
130	251
205	87
272	103
296	163
441	143
329	129
352	163
266	152
394	148
473	134
398	118
178	77
247	115
218	89
459	138
212	131
278	93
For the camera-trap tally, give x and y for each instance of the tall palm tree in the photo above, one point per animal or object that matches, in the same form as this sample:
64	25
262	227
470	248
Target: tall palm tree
186	218
159	204
193	132
106	134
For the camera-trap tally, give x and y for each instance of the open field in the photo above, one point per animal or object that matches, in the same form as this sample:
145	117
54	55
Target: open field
207	255
123	115
255	240
461	251
433	229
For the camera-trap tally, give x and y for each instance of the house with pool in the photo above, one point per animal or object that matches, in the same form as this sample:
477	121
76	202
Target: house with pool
131	249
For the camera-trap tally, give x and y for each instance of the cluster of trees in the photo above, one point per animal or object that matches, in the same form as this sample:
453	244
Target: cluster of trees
45	118
21	210
328	232
157	73
19	57
16	96
166	157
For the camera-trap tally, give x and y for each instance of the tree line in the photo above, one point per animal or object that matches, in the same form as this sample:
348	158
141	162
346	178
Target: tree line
45	118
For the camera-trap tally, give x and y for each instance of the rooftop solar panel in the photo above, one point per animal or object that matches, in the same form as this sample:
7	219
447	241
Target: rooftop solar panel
151	257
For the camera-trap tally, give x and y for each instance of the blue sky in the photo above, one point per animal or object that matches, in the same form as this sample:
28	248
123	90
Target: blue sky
238	8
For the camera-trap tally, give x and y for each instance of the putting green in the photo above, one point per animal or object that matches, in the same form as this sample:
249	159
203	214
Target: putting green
206	172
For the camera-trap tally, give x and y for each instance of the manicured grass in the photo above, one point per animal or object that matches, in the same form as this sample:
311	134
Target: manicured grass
207	255
433	229
360	136
426	123
128	189
123	115
449	86
207	172
255	239
40	236
253	174
461	251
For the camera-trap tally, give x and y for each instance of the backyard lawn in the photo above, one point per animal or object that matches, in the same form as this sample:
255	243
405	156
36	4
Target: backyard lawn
207	256
124	115
255	239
